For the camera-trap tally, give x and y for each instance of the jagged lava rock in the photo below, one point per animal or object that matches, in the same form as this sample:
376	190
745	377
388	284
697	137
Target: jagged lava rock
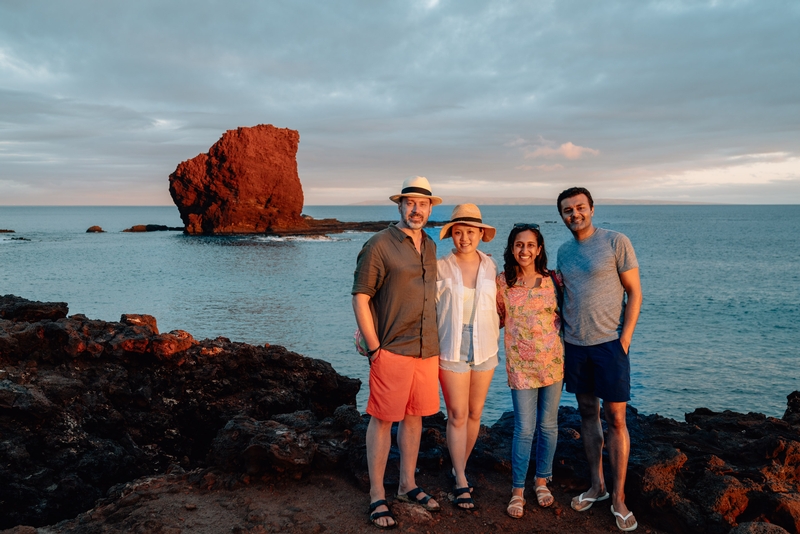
247	183
88	404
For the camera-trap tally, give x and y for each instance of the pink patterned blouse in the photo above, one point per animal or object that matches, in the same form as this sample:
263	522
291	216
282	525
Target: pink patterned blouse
534	351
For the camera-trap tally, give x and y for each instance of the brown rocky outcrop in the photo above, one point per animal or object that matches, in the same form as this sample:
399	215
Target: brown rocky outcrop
95	230
247	183
87	406
709	474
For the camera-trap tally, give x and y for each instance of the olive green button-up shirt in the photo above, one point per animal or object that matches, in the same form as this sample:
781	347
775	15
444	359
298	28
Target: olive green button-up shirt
401	283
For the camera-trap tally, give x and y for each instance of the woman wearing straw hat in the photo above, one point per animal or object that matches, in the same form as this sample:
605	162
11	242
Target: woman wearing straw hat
469	329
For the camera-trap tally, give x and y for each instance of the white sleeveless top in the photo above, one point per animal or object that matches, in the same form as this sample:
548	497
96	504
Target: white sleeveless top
469	305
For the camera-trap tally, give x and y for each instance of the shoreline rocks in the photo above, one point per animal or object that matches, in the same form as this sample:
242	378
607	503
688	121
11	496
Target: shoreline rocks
153	228
87	406
6	231
95	230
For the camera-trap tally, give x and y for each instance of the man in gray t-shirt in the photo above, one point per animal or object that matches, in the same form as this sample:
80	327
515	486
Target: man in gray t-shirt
602	299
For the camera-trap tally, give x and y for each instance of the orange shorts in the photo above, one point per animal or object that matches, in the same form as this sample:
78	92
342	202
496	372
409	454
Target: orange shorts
401	385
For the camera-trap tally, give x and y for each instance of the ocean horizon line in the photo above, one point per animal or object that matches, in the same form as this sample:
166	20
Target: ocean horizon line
448	201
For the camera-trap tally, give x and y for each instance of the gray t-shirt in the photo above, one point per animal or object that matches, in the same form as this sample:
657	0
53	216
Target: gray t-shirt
594	298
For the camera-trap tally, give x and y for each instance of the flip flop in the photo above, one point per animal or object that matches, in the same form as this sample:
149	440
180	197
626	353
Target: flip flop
458	501
517	503
542	492
620	520
580	507
373	515
411	497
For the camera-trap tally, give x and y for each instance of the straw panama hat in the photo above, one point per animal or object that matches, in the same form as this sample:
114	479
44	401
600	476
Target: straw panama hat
417	187
470	215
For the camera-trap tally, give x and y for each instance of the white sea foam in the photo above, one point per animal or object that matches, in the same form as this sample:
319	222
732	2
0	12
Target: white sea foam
301	238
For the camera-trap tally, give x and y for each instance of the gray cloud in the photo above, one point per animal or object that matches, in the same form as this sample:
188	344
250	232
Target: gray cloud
98	100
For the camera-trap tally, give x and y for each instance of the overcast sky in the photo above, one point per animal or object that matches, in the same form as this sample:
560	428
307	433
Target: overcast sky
665	100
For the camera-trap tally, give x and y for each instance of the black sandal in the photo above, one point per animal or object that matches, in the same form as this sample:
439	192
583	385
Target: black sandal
411	497
452	476
458	501
373	515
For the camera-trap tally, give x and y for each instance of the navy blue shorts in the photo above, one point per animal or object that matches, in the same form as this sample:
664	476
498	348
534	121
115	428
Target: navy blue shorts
602	370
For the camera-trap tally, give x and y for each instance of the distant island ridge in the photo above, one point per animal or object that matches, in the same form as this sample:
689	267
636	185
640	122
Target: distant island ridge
536	201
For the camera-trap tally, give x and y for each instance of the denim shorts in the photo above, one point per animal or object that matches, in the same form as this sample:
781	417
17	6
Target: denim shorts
602	370
466	361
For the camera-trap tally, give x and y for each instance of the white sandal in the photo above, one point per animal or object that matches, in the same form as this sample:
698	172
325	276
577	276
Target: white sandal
579	507
517	504
542	492
620	520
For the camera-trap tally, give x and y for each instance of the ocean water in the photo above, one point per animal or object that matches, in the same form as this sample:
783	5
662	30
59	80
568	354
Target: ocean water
719	322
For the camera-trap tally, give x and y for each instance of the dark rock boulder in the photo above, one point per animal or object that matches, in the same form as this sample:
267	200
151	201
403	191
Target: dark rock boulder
713	472
87	404
246	183
792	414
252	446
14	308
758	528
136	228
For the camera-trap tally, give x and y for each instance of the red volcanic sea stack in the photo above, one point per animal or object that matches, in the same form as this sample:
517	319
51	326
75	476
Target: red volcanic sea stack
246	184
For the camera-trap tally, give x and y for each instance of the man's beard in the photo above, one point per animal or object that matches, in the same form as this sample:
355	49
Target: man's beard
415	225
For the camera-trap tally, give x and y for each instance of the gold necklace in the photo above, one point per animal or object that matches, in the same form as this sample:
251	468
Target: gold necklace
522	282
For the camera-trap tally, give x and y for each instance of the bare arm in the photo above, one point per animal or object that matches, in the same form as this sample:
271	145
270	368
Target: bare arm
633	288
364	320
501	306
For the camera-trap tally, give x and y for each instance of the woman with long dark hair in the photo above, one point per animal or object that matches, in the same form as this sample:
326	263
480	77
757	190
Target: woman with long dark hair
527	302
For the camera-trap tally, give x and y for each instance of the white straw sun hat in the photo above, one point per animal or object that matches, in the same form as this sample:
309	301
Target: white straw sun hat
470	215
416	187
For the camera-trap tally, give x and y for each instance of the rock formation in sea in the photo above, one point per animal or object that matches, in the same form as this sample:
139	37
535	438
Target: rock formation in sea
152	228
87	406
5	231
247	183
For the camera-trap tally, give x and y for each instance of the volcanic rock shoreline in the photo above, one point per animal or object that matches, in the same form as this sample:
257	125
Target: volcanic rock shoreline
89	407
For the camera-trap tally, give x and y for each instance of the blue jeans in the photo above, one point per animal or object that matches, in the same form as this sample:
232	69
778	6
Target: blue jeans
535	412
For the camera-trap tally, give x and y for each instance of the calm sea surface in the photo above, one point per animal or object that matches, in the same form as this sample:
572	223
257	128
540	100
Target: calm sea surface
719	323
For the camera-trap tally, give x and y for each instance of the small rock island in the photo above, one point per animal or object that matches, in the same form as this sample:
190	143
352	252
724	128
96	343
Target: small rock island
248	183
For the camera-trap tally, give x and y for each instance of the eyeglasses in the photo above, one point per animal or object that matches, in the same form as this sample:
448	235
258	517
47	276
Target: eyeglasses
527	226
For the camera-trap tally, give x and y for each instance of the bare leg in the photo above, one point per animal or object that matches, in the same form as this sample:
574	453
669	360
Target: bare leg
619	446
409	433
592	433
379	441
478	389
456	391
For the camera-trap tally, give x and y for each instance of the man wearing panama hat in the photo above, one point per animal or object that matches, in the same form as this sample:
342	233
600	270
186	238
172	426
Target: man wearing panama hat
394	300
